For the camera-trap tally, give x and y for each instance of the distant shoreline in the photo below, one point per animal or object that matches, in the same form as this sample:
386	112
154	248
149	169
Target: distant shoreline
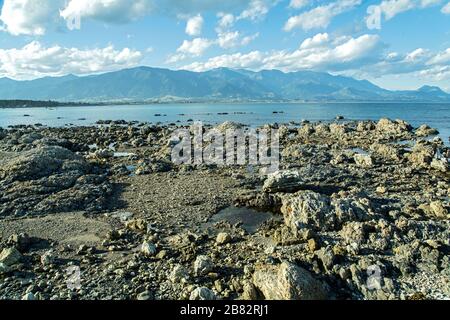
27	104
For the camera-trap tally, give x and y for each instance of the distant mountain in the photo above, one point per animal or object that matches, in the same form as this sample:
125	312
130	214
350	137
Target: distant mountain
149	84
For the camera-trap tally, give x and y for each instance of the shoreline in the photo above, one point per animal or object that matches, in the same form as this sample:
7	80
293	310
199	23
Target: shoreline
108	199
288	102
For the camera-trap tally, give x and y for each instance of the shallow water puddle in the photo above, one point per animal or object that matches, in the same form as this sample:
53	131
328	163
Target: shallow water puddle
250	220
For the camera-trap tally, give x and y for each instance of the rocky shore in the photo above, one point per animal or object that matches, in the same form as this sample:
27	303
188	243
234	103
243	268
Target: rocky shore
358	210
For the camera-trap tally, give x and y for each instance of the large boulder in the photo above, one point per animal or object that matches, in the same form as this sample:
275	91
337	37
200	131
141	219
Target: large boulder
50	179
306	208
283	181
395	128
288	282
41	162
10	257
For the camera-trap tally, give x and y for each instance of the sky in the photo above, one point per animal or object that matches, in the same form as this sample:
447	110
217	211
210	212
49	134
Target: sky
396	44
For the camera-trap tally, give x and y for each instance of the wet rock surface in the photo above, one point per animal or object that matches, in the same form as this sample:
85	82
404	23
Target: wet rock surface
101	212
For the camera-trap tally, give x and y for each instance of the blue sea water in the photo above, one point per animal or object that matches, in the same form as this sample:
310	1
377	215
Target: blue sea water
436	115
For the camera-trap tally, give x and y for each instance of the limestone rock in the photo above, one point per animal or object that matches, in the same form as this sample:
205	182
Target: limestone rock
282	181
10	257
305	208
148	249
363	160
288	282
223	238
203	265
202	294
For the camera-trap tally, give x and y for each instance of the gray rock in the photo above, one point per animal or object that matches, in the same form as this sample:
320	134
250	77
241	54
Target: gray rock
203	265
288	282
202	294
143	296
179	274
223	238
305	208
282	181
10	257
363	160
148	249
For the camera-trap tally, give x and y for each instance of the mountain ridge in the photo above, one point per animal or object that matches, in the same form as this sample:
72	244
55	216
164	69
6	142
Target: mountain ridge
223	84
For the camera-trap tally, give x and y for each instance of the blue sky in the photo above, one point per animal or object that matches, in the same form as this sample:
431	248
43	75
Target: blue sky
397	44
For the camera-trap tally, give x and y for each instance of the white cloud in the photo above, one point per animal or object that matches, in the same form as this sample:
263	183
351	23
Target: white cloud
257	9
391	8
28	17
321	16
194	25
190	48
232	39
34	60
112	11
34	17
446	9
317	53
195	47
226	21
298	4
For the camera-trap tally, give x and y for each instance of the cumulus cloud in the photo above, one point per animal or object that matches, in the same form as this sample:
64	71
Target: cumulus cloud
257	9
35	60
34	17
316	53
446	9
113	11
194	25
321	16
419	63
226	21
28	17
298	4
390	8
232	39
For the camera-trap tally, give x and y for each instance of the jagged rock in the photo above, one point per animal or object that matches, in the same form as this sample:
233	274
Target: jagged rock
425	131
306	208
148	249
139	225
249	292
179	274
10	257
327	257
203	265
440	164
144	296
223	238
202	294
48	258
439	210
282	181
422	154
50	180
396	127
363	160
354	232
288	282
386	151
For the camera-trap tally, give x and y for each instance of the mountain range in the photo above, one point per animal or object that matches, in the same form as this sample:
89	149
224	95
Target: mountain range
223	84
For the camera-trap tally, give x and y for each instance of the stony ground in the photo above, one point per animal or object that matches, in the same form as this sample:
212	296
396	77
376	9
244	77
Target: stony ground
358	210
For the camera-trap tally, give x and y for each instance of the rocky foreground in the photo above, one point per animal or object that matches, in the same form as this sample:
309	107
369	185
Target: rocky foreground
358	210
